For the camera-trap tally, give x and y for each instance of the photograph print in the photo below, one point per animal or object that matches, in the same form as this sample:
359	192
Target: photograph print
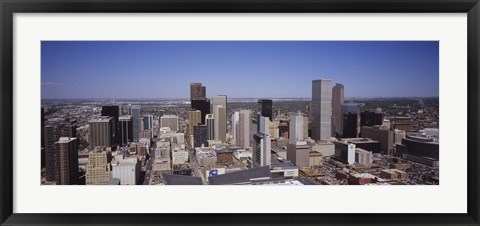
240	113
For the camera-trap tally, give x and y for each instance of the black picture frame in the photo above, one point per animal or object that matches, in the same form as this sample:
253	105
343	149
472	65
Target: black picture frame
9	7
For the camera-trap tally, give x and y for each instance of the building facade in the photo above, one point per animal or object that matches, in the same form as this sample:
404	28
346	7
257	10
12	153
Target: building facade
296	127
114	112
264	106
337	101
126	129
98	169
210	123
194	118
243	129
299	153
67	159
135	113
170	121
101	132
53	130
321	109
200	135
261	155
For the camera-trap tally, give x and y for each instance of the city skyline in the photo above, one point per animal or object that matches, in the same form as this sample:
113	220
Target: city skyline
239	69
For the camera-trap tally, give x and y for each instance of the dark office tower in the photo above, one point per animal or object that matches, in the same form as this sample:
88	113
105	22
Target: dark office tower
350	121
53	130
200	135
147	122
42	132
197	91
337	101
67	161
368	118
114	112
264	106
43	125
50	153
100	132
126	129
203	106
135	113
347	108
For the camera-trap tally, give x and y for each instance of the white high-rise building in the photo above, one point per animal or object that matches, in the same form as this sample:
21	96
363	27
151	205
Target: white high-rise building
296	127
398	135
210	122
351	154
235	118
321	109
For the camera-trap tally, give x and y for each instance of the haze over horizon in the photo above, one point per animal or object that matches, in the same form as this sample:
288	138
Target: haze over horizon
266	69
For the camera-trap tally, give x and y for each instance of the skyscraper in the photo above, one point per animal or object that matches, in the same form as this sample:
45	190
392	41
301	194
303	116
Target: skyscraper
220	116
200	135
147	122
53	130
114	112
235	117
296	127
350	125
170	121
321	109
197	91
261	155
126	129
305	127
100	132
243	129
42	141
210	123
194	118
370	118
198	100
67	161
218	101
135	113
349	122
264	106
203	106
337	101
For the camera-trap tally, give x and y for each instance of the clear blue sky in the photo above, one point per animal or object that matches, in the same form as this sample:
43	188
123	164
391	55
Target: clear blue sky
165	69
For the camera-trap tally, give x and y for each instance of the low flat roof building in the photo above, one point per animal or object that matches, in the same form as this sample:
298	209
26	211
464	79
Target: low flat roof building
242	177
173	179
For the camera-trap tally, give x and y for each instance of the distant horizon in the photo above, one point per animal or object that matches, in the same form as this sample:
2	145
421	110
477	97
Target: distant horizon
155	69
228	98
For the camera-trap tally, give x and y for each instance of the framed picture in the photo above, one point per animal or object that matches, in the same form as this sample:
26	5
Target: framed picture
239	112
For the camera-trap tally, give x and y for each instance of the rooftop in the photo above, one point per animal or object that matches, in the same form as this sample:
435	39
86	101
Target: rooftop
239	177
172	179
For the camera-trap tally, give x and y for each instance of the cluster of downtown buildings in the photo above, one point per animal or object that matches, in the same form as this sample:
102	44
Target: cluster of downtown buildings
332	143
